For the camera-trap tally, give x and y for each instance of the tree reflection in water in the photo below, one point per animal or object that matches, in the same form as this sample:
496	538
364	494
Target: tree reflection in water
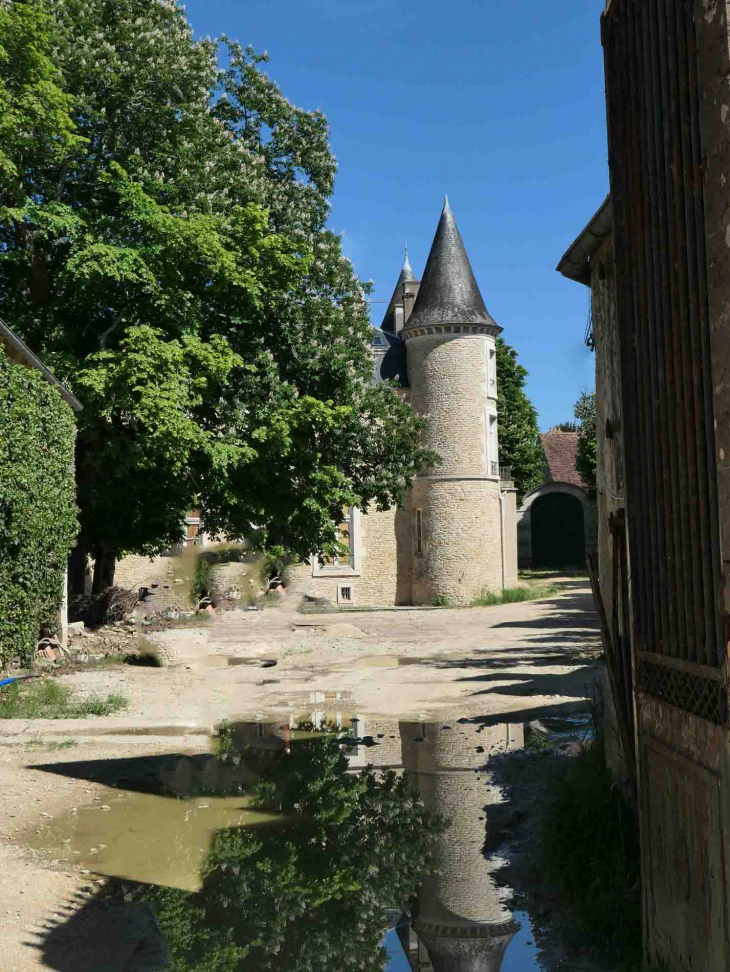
397	819
308	894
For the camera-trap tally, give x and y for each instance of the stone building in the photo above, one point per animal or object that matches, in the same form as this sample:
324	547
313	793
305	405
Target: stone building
556	521
657	258
590	260
455	536
463	924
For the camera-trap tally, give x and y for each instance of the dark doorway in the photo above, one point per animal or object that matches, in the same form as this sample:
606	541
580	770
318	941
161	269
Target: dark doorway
558	532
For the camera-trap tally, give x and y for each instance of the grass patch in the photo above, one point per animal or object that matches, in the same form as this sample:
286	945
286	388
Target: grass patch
588	850
514	595
47	699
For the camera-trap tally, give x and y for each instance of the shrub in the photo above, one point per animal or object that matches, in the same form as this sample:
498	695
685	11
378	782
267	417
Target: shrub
38	517
589	851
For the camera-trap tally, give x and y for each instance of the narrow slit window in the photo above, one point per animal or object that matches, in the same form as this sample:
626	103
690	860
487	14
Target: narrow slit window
493	445
419	531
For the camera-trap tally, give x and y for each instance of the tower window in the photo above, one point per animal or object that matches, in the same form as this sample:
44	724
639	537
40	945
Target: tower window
492	371
419	531
493	446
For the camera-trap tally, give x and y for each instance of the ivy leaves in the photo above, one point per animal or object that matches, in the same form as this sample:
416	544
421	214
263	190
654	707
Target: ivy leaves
38	516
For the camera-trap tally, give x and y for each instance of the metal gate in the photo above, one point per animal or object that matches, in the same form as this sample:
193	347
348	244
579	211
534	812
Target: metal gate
656	181
656	163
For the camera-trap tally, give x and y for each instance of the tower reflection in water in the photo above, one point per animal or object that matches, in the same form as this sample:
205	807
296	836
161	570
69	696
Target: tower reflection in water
461	921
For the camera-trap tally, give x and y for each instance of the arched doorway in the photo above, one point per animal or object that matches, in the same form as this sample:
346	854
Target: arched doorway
558	531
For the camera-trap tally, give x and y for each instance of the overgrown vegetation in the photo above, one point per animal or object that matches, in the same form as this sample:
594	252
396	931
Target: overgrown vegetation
110	605
513	595
48	699
38	516
308	894
519	444
164	248
586	460
589	851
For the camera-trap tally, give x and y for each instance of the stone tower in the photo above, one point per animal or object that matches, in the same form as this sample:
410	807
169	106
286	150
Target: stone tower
450	342
463	924
405	287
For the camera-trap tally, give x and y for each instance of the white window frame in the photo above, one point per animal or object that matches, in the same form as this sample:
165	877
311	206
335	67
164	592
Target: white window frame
343	570
492	371
492	444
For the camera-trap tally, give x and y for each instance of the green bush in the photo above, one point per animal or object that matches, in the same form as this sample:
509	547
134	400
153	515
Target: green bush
38	517
589	851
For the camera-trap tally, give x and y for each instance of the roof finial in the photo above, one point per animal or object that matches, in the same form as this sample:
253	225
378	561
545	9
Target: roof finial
406	262
447	208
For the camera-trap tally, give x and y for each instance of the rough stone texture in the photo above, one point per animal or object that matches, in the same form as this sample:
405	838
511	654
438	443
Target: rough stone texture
461	901
462	548
450	389
384	573
509	536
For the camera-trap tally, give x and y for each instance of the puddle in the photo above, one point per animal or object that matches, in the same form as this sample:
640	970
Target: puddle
309	852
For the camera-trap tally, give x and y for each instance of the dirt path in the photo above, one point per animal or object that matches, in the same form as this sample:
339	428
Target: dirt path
503	661
502	664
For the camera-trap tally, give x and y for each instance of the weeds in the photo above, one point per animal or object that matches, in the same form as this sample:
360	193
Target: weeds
514	595
589	852
48	699
441	601
225	746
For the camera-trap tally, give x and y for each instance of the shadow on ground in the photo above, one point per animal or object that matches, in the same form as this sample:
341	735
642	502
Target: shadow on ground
97	929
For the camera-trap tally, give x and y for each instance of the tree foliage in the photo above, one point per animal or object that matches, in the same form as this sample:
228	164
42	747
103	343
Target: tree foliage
38	517
309	895
163	246
519	445
587	456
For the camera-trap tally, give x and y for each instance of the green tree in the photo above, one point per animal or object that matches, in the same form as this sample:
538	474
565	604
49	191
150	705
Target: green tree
565	427
309	895
163	246
587	456
519	445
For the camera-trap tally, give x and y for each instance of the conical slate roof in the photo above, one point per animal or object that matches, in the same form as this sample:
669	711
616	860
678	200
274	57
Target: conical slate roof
406	275
449	294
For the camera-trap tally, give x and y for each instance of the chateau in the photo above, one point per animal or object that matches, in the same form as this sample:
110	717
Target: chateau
456	534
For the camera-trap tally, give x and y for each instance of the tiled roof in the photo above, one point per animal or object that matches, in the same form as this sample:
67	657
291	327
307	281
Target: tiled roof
561	449
406	275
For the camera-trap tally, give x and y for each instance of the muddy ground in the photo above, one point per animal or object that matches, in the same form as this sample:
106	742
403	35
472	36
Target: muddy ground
511	663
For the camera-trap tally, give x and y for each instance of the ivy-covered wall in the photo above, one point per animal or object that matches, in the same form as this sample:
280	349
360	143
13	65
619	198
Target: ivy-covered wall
38	517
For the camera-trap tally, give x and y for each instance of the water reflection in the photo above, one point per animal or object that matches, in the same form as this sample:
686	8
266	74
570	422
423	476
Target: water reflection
458	916
337	829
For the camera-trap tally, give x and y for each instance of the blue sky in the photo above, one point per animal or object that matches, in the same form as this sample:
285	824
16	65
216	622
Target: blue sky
500	105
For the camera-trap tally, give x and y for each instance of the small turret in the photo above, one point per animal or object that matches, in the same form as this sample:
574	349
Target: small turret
394	315
452	369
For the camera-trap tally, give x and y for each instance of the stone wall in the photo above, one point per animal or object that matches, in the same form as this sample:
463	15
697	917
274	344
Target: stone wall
382	575
462	540
450	389
610	451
